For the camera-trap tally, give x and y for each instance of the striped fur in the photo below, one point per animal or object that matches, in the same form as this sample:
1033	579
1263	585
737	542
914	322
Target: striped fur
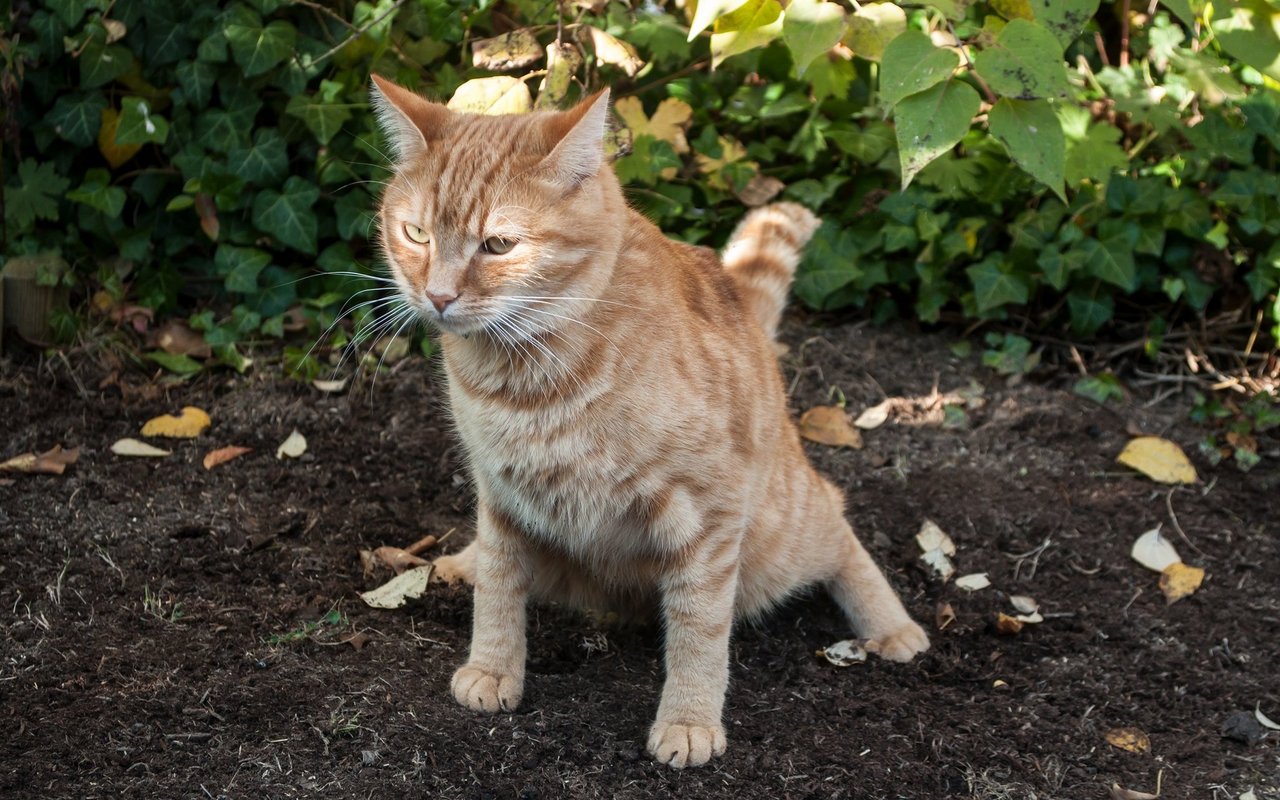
620	406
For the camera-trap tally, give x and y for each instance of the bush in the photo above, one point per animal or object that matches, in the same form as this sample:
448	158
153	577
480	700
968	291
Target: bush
202	161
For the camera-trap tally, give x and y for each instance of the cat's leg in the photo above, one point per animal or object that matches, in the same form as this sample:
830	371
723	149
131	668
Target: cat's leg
459	567
861	589
493	678
697	601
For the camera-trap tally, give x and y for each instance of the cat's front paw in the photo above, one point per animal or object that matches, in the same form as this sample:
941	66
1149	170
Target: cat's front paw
455	570
681	745
903	643
480	689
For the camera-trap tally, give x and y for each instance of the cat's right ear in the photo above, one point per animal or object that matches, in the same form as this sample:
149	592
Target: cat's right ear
408	120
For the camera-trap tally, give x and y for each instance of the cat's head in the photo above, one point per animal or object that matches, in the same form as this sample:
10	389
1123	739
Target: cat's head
490	221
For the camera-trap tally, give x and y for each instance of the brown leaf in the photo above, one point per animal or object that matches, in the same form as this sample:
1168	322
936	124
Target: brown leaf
1179	580
515	50
1134	740
829	425
358	641
222	455
399	560
115	154
175	336
944	616
760	190
208	212
1118	792
368	563
612	50
188	425
425	543
51	462
1007	625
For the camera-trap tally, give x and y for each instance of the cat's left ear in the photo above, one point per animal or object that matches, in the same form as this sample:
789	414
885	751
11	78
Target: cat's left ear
408	120
579	137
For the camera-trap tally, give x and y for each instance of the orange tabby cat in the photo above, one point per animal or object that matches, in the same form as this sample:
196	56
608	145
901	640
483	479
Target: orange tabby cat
620	404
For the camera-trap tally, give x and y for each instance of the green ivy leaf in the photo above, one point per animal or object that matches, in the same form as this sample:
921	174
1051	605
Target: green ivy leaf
754	24
811	28
1096	157
1024	62
1032	134
177	363
287	215
912	63
77	117
102	63
828	266
931	122
97	192
35	197
355	213
648	159
138	124
1088	313
994	287
1065	18
239	267
256	48
196	79
322	119
1099	388
265	162
1111	259
708	11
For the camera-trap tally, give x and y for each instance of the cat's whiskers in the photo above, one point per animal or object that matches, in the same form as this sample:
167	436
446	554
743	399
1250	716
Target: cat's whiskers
374	331
409	318
621	353
344	312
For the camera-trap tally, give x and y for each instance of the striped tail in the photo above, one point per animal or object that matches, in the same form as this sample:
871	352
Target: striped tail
762	255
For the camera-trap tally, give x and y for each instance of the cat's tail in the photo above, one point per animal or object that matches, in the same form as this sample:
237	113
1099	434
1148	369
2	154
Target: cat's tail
762	255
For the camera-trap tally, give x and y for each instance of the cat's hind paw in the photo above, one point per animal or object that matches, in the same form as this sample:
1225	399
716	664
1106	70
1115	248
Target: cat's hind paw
679	745
490	692
902	644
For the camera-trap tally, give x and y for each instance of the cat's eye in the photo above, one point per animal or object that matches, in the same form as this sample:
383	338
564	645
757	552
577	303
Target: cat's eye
496	245
416	234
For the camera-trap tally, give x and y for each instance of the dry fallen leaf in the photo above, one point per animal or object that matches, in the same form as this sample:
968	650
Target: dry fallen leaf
514	50
188	425
943	616
1154	551
844	653
1034	618
330	386
222	455
1008	625
425	543
931	537
1130	739
973	582
293	446
176	337
1159	459
873	417
400	589
668	123
759	190
938	561
1024	604
1179	580
137	449
1263	719
399	560
829	425
51	462
612	50
368	563
1118	792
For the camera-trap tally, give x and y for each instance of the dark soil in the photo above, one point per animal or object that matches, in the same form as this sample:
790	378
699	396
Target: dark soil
168	631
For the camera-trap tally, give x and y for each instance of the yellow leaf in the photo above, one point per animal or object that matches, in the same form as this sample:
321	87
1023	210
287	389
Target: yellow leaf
563	60
667	124
706	12
1179	580
498	95
1013	9
115	154
730	152
1130	739
753	25
190	424
872	26
1007	625
1159	459
514	50
612	50
829	425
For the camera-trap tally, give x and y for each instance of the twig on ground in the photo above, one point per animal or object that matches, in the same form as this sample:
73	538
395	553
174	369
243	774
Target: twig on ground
1173	519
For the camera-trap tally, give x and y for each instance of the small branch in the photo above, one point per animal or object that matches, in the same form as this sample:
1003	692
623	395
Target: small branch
358	32
1173	519
1124	34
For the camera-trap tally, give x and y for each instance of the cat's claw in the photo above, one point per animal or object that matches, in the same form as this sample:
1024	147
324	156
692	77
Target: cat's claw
483	690
679	745
902	644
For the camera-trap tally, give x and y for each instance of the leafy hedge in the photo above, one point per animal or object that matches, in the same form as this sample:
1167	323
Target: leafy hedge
1059	161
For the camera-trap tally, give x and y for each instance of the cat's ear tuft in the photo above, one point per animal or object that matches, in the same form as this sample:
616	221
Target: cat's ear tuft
408	120
579	137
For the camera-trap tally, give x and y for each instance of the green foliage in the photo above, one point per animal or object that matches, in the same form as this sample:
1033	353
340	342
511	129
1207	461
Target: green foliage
971	159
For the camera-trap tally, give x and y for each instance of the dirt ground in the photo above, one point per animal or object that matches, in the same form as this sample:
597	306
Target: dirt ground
172	632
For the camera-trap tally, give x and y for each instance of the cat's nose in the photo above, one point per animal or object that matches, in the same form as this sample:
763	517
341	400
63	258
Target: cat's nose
441	301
